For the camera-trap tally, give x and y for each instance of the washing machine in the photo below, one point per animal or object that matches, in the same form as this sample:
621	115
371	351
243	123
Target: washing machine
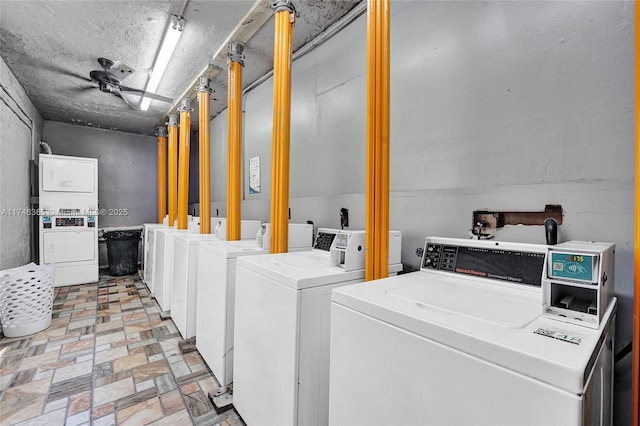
162	258
216	291
68	221
148	254
464	341
150	248
185	271
281	335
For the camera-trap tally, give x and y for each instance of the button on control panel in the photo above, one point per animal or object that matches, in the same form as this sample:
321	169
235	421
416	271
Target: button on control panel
440	257
432	256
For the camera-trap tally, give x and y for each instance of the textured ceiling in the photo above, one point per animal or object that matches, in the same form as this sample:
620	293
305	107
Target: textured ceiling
51	46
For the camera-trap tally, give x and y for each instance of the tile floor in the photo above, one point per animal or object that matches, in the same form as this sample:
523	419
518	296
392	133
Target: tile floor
106	359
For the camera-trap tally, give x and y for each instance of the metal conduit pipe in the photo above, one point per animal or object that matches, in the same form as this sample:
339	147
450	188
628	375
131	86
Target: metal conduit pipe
162	173
183	163
234	141
184	7
327	34
204	154
635	363
281	135
377	180
172	174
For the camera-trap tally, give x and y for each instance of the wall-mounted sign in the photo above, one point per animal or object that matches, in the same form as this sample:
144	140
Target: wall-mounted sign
254	175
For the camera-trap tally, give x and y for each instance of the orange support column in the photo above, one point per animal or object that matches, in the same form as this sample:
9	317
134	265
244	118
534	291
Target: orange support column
284	22
173	169
635	378
204	120
377	191
162	173
234	145
183	163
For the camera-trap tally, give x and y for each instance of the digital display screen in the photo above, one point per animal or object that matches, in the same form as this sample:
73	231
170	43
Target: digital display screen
518	267
572	266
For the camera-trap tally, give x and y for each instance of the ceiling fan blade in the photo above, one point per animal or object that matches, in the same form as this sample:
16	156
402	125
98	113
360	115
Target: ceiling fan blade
63	71
84	88
118	94
78	76
147	94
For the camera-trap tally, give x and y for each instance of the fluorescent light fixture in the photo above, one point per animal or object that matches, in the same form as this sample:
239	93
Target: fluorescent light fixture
169	42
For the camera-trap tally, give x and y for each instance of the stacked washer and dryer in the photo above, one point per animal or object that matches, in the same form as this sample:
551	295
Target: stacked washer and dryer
68	225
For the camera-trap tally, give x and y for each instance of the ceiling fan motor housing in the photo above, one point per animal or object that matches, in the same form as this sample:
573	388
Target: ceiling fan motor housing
107	82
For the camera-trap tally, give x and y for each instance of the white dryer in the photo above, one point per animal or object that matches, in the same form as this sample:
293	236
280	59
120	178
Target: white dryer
281	337
464	341
185	271
216	292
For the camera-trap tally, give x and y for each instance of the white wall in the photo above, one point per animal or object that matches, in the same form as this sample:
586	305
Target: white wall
20	132
497	105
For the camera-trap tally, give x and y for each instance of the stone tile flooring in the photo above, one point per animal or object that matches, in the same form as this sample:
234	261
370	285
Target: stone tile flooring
106	359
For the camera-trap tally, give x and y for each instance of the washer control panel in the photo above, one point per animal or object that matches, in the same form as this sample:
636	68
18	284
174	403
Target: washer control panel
498	263
324	241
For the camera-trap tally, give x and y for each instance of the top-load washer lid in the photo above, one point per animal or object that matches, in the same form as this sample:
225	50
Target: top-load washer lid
500	324
447	294
190	238
301	270
233	249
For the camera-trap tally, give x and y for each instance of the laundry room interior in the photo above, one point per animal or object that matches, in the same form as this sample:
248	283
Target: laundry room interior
417	212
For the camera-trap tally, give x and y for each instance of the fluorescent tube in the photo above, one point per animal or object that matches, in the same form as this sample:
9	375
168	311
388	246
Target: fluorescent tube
169	42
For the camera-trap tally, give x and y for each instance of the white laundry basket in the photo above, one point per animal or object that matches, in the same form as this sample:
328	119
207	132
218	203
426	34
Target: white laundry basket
26	299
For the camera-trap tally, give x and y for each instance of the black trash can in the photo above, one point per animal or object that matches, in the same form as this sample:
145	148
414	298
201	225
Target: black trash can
122	252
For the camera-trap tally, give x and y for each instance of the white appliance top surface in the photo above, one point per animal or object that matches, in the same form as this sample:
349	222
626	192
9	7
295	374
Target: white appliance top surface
304	269
190	238
169	231
231	249
508	309
493	322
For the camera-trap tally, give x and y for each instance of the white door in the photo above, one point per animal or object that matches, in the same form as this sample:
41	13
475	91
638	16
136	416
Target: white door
68	175
69	246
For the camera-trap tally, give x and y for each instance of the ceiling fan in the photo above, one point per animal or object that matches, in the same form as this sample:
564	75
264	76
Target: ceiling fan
108	82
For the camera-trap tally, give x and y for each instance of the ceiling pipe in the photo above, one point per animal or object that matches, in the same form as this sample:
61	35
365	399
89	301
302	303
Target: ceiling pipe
252	21
184	8
327	34
257	16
